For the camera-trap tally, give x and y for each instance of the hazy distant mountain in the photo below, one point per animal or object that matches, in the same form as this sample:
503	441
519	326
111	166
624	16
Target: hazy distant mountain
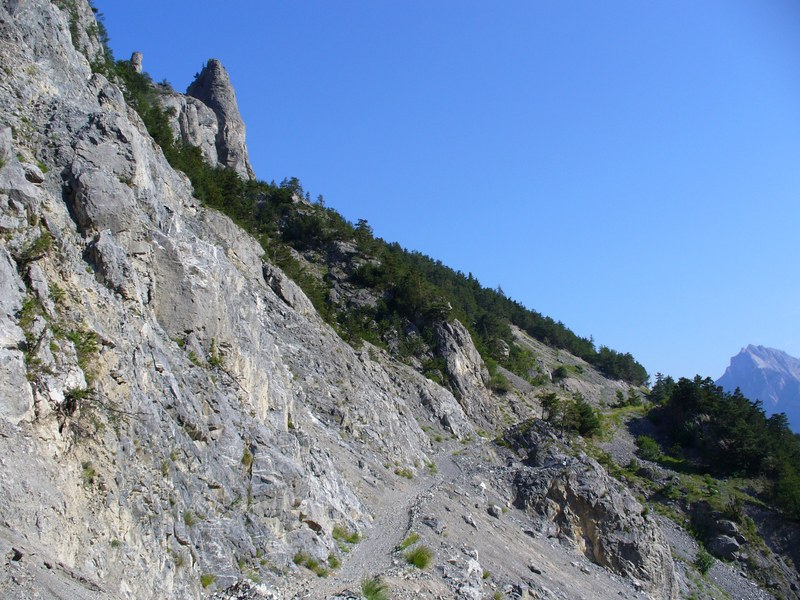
769	375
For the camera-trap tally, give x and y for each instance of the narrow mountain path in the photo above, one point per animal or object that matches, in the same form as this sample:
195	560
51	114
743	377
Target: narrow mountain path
392	521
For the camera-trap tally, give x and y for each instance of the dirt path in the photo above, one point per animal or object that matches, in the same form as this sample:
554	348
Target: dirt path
393	514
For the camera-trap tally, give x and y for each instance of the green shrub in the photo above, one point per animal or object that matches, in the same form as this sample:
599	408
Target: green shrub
420	557
648	448
704	561
374	589
582	417
499	383
206	579
560	372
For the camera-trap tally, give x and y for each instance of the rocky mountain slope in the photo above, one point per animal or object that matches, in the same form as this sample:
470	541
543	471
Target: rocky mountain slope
769	375
178	421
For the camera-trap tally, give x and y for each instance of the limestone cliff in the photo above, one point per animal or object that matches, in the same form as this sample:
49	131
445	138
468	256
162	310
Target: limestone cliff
175	417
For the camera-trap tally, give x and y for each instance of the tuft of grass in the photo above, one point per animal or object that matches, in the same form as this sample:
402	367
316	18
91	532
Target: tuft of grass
374	588
86	346
247	458
302	559
190	519
404	472
420	557
206	579
57	293
88	473
37	249
411	539
215	358
342	534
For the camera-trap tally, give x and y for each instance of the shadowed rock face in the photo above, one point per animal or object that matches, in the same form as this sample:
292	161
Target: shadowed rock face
213	88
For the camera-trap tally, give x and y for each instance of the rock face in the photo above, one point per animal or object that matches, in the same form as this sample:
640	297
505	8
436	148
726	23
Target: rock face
193	123
465	369
575	499
213	88
769	375
169	374
175	417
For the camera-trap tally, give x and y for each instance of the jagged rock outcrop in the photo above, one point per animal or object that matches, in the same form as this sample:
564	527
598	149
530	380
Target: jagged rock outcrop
465	369
213	88
575	499
193	123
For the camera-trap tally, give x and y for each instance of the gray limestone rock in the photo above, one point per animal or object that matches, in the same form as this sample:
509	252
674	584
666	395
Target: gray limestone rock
465	367
136	61
16	398
213	88
113	267
193	123
287	290
575	499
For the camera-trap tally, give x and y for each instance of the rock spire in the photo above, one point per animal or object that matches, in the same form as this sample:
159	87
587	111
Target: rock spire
213	88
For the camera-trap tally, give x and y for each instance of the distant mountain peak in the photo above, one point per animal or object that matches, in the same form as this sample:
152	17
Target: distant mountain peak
769	375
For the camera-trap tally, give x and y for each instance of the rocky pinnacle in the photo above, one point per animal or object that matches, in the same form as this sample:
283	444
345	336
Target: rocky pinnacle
213	87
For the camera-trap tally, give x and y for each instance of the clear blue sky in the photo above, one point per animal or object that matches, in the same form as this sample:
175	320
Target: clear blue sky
631	169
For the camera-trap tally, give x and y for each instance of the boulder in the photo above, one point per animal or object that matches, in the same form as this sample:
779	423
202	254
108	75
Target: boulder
724	546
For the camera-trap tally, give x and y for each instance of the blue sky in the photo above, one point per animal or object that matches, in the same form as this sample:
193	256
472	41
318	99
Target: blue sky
631	169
